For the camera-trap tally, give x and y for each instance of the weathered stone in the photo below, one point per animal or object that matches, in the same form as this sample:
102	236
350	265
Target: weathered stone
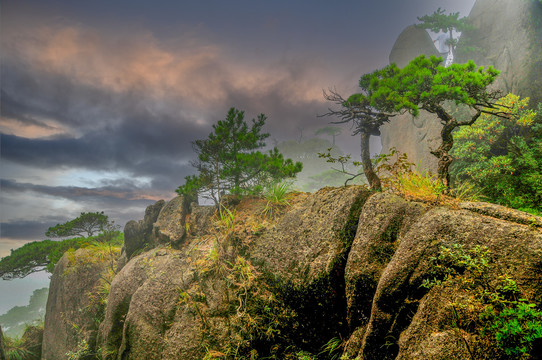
153	306
170	223
123	259
137	235
414	135
426	337
123	286
307	252
70	315
200	219
515	249
385	218
413	41
503	213
507	35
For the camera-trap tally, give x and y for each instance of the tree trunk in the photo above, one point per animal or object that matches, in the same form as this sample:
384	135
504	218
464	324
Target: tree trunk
444	158
372	178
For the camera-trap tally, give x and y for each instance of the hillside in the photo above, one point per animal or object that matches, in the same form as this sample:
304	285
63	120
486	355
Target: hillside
342	271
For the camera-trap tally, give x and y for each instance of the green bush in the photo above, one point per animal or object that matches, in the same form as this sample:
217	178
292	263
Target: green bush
502	157
503	318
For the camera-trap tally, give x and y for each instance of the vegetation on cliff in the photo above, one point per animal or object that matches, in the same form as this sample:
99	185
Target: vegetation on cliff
43	255
502	156
229	162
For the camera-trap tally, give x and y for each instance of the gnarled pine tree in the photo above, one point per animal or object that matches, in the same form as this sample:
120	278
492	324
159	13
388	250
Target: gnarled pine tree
424	84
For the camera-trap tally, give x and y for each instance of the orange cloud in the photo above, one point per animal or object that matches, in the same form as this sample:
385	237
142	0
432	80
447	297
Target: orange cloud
31	130
190	69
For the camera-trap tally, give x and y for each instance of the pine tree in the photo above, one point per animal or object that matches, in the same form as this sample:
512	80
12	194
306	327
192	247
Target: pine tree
228	161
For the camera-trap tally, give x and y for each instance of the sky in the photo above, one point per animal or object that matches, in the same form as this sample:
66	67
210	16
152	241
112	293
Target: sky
100	100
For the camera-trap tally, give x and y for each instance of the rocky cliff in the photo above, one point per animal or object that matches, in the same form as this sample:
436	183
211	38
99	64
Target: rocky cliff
75	303
507	34
339	272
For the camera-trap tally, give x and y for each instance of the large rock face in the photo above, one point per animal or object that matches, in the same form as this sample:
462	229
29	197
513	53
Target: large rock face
340	263
413	41
72	313
507	35
142	305
306	253
138	234
409	134
399	285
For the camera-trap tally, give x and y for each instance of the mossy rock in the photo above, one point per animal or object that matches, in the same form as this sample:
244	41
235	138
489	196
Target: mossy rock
305	256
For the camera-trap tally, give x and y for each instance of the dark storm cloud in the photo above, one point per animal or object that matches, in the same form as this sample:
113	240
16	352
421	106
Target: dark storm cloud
107	129
125	87
23	230
115	131
127	192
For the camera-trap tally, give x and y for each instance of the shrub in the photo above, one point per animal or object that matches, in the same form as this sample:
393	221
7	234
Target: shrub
504	319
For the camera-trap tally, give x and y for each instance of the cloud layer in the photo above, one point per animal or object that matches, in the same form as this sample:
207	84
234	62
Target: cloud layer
100	101
74	98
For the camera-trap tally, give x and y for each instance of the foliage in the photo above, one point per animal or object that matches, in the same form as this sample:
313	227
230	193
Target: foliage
423	84
15	320
229	161
333	349
85	225
26	347
43	255
35	256
506	322
502	156
15	349
439	21
276	197
345	162
82	352
399	175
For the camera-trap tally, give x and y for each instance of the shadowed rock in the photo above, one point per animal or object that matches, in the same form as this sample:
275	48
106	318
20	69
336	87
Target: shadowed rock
306	255
70	316
384	220
137	234
515	251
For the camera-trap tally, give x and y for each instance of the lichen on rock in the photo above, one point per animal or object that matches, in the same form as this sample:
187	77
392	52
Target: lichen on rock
74	307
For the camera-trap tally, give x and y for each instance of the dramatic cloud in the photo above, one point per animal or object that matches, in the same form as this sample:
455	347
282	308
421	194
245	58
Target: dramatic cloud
100	101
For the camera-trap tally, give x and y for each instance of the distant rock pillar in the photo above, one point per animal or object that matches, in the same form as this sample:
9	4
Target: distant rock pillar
414	136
